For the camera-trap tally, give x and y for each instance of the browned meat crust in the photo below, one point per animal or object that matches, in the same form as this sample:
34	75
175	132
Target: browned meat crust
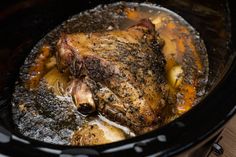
123	69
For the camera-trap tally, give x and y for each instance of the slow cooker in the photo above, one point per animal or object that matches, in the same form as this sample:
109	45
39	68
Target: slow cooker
23	23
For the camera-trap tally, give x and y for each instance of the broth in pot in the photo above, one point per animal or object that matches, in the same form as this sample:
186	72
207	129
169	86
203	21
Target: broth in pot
108	74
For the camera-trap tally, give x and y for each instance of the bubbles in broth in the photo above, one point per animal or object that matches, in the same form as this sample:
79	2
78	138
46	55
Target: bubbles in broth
62	106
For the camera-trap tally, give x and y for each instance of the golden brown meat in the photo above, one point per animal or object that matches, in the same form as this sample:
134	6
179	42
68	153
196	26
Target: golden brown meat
97	132
123	70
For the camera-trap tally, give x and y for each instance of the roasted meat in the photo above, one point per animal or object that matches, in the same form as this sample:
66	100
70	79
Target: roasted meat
97	132
106	75
121	70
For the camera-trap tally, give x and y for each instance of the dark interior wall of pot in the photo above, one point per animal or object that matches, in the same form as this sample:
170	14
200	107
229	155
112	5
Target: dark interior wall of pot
24	22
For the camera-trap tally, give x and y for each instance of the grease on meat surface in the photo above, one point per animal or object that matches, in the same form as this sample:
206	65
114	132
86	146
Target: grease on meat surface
123	69
139	68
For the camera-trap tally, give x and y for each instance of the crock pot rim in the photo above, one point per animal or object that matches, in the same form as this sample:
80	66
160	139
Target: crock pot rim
225	87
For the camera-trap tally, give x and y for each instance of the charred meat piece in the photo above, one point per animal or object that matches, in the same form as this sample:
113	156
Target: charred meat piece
123	69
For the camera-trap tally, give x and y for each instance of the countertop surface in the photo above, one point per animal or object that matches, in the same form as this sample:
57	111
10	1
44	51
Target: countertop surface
228	140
